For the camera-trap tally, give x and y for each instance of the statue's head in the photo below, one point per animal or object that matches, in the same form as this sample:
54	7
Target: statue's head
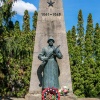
51	41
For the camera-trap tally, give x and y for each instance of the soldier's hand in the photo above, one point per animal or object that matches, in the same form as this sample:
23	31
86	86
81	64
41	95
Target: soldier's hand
54	52
45	58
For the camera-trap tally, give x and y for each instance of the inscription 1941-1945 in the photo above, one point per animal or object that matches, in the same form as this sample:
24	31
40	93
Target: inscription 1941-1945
51	14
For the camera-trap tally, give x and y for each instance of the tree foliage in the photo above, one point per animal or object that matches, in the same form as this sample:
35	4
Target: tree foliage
16	50
26	22
97	56
35	20
85	57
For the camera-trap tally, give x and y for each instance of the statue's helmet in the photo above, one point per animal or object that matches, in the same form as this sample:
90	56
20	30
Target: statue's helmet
51	38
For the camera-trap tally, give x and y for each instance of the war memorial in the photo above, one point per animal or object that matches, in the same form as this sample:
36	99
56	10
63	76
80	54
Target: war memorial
50	66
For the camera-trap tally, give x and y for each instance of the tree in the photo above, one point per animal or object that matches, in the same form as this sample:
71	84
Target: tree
89	63
26	22
5	20
77	68
97	57
17	30
75	61
35	16
16	51
80	35
78	55
7	12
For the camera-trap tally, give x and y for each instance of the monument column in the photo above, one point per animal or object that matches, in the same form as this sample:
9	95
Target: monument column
50	23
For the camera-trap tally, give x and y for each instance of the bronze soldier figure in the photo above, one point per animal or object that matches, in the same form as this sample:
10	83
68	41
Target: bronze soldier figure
51	68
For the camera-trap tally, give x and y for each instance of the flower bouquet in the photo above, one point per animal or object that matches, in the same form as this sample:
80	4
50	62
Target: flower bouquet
51	94
64	90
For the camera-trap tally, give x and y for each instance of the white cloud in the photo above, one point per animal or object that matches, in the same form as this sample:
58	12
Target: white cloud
1	3
20	6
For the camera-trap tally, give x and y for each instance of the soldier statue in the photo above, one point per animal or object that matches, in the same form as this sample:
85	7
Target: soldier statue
50	65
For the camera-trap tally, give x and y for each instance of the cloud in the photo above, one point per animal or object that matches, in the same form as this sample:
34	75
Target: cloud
20	6
1	3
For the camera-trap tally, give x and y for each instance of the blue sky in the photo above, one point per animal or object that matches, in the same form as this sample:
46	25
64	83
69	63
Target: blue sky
71	9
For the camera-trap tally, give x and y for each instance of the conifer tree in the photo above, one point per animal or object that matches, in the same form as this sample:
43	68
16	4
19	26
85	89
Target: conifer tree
80	35
10	26
76	68
97	43
17	30
89	63
97	57
26	22
78	52
17	26
35	16
7	12
73	31
69	37
89	36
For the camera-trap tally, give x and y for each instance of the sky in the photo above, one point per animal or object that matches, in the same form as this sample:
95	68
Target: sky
71	9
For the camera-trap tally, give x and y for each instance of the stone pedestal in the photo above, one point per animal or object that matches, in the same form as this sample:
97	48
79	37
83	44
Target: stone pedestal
38	97
50	23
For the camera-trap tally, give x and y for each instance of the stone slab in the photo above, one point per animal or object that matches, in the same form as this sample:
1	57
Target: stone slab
33	97
88	98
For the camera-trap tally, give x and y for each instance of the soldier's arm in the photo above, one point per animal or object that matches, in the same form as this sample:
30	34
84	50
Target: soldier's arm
41	56
58	54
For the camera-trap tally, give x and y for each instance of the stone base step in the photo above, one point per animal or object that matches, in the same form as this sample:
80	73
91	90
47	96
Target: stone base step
38	97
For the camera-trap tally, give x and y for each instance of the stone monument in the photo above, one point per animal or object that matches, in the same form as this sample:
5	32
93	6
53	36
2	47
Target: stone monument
50	23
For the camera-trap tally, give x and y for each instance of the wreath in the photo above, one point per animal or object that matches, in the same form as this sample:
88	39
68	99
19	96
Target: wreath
52	92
